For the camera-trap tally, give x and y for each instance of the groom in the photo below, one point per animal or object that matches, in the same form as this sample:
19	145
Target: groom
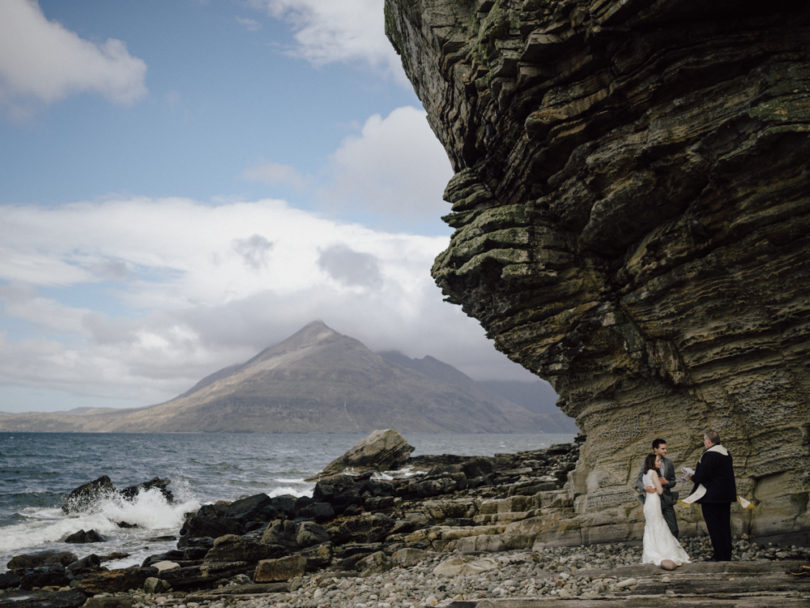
666	476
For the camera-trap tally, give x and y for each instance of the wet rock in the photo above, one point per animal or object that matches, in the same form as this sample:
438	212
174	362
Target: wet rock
9	580
82	497
82	536
211	520
131	492
237	517
27	561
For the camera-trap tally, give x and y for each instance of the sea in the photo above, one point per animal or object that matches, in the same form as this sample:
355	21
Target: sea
39	470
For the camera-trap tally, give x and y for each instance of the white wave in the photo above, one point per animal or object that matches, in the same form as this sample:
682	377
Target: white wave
148	510
298	492
403	473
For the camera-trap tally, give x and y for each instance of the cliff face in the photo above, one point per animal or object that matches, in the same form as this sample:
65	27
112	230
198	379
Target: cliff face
631	205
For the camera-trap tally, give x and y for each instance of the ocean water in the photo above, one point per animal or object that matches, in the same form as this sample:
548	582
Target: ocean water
38	471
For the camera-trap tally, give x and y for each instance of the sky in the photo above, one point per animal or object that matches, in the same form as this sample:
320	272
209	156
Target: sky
186	183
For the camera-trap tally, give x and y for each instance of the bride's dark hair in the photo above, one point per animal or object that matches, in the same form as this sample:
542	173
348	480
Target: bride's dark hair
649	463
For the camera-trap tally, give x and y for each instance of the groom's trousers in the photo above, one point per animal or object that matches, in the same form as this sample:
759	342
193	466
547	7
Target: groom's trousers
717	516
669	517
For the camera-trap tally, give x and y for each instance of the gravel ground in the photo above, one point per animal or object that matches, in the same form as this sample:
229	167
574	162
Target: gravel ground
440	578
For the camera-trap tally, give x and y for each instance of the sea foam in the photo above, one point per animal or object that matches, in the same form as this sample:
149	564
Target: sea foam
148	511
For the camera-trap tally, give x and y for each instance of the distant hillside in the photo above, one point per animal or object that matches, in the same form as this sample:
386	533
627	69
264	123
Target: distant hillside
536	396
320	380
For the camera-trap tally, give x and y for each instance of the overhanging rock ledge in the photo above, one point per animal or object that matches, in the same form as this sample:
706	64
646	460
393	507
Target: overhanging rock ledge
631	206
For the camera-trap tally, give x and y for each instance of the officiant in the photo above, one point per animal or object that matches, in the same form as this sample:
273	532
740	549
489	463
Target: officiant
715	490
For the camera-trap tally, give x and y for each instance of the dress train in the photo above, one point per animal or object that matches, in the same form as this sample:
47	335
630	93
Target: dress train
659	543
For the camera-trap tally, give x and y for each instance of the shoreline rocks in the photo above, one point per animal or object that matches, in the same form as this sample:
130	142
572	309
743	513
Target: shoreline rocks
469	515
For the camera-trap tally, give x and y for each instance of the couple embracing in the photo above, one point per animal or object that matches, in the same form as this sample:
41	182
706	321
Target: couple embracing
656	482
714	489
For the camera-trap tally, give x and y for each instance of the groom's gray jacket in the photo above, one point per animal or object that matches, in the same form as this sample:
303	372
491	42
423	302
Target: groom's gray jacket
668	473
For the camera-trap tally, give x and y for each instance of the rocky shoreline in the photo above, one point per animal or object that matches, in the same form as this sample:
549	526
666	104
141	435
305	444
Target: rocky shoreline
432	530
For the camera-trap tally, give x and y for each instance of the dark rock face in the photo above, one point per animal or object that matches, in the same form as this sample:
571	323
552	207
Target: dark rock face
631	205
87	494
84	536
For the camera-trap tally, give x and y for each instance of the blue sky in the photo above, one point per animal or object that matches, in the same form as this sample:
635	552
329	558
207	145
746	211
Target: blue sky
185	183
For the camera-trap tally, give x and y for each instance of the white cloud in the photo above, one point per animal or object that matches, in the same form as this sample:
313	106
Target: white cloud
42	60
395	168
327	32
181	289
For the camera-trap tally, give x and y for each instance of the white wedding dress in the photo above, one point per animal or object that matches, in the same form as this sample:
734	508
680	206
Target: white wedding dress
659	544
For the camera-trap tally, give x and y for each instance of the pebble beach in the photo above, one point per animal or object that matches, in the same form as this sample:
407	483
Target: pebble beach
439	579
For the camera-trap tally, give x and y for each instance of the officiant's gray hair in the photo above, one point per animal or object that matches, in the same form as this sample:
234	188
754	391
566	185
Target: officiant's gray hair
712	436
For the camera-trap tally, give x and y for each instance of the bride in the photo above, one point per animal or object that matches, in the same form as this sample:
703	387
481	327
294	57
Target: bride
660	547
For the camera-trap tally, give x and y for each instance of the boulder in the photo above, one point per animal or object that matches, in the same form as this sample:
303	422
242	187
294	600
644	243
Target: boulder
108	601
110	581
382	450
81	498
26	561
308	533
9	580
211	520
281	532
53	575
340	491
236	517
85	565
318	556
203	576
131	492
236	548
155	585
375	562
319	511
281	569
364	528
82	536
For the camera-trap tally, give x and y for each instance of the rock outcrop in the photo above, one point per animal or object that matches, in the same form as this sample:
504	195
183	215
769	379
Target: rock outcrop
383	449
631	205
358	522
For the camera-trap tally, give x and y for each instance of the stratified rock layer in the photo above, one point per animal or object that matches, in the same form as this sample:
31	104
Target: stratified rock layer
631	205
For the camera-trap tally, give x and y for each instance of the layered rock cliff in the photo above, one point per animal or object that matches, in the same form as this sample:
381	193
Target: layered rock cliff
631	205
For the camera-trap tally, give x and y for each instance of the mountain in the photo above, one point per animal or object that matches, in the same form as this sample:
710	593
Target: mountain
316	380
